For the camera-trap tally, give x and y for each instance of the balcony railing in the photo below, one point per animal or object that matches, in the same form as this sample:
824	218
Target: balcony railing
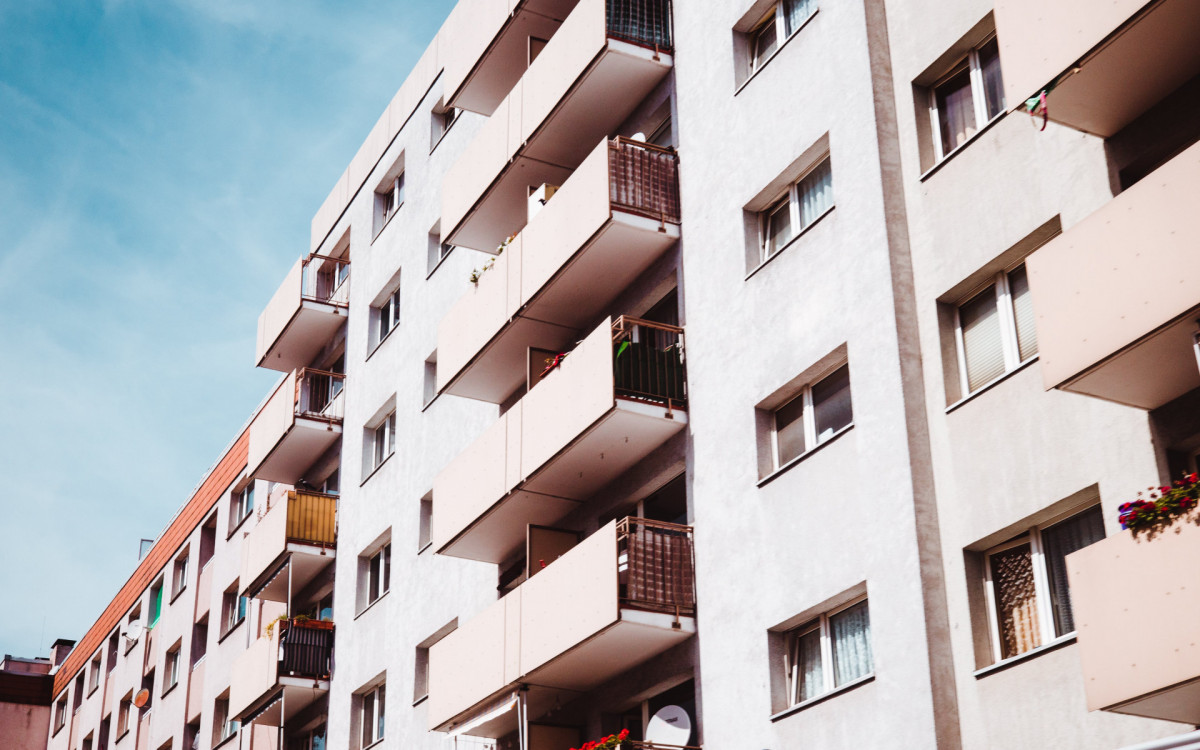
641	745
656	566
306	649
318	395
326	279
644	179
312	518
644	22
648	362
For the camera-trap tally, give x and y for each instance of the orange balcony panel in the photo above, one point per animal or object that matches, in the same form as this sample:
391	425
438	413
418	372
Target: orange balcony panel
298	530
285	671
306	311
1136	610
1118	294
301	420
597	611
1113	60
582	86
582	426
491	43
615	216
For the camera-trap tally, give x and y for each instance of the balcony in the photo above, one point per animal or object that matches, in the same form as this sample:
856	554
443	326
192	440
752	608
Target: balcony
1136	613
300	530
620	597
301	420
285	671
1118	294
587	81
1112	61
615	216
308	308
616	398
492	48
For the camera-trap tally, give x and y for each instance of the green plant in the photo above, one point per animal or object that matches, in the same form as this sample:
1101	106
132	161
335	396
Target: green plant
1162	507
297	618
477	274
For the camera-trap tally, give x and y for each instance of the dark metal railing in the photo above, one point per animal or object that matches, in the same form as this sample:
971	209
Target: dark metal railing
312	518
326	279
306	649
659	573
643	22
318	394
643	179
648	362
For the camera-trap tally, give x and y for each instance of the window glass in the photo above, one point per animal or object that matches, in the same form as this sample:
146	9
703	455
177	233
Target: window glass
816	193
808	679
831	403
850	630
796	12
1058	541
1016	600
993	86
765	39
779	227
982	346
789	430
1022	301
956	110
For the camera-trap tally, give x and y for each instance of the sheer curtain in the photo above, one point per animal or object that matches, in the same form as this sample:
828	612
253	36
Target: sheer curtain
806	675
796	12
956	110
816	193
851	633
1058	541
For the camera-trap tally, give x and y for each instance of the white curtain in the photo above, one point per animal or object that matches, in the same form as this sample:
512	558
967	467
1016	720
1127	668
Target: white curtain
796	12
816	193
982	345
806	676
956	111
851	632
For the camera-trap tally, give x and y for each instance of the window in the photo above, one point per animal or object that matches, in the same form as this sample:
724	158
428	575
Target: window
60	713
233	610
372	715
438	249
430	380
156	593
208	540
224	726
94	674
124	713
199	641
389	197
331	485
171	670
379	574
802	204
179	576
386	316
783	20
425	527
441	120
310	740
242	505
994	330
815	415
77	700
828	652
1029	602
382	442
114	641
967	98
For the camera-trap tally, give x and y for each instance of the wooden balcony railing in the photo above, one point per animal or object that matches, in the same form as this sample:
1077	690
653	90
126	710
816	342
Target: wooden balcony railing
319	394
326	279
656	566
306	649
312	518
644	179
648	362
643	22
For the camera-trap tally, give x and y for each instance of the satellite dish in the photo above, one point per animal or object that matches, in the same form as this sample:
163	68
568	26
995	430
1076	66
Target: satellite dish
670	726
142	698
133	632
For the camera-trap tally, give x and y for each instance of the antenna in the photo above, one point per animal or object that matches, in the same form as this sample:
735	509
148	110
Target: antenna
133	632
670	726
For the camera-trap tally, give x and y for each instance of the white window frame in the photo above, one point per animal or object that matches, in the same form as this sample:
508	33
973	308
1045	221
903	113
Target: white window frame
171	670
378	695
383	441
388	312
782	34
60	713
124	709
978	99
394	196
810	420
227	726
94	670
821	622
445	118
243	503
384	555
792	197
1009	345
234	614
1041	586
179	573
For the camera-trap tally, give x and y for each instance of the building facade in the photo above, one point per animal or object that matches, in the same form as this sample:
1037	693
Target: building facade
728	374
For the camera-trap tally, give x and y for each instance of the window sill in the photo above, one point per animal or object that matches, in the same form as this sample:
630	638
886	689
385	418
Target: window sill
57	729
991	384
93	690
121	736
424	547
975	136
775	54
170	687
368	608
379	466
823	697
430	402
373	744
231	631
792	241
420	700
198	662
387	221
239	524
176	595
445	132
782	469
379	343
1000	666
438	265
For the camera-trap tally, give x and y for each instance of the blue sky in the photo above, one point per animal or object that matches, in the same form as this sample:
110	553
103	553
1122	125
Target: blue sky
160	162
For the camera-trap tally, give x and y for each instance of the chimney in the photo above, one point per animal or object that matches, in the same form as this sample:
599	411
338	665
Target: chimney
59	651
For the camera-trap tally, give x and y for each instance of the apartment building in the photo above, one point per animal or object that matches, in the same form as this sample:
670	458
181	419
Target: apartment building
25	696
734	375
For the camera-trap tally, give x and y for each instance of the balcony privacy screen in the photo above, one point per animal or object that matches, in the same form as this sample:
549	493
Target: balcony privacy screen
312	518
644	22
306	652
660	574
644	179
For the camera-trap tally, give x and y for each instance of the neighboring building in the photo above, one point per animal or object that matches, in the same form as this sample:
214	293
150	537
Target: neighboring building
500	499
26	691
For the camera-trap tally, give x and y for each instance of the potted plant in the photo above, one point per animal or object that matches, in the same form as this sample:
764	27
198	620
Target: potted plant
606	743
1152	514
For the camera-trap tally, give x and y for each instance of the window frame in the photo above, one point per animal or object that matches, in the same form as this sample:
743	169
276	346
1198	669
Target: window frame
390	200
1009	343
1041	582
124	713
793	197
776	17
233	613
378	696
389	312
828	676
383	441
179	573
809	417
384	580
171	669
223	724
978	99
